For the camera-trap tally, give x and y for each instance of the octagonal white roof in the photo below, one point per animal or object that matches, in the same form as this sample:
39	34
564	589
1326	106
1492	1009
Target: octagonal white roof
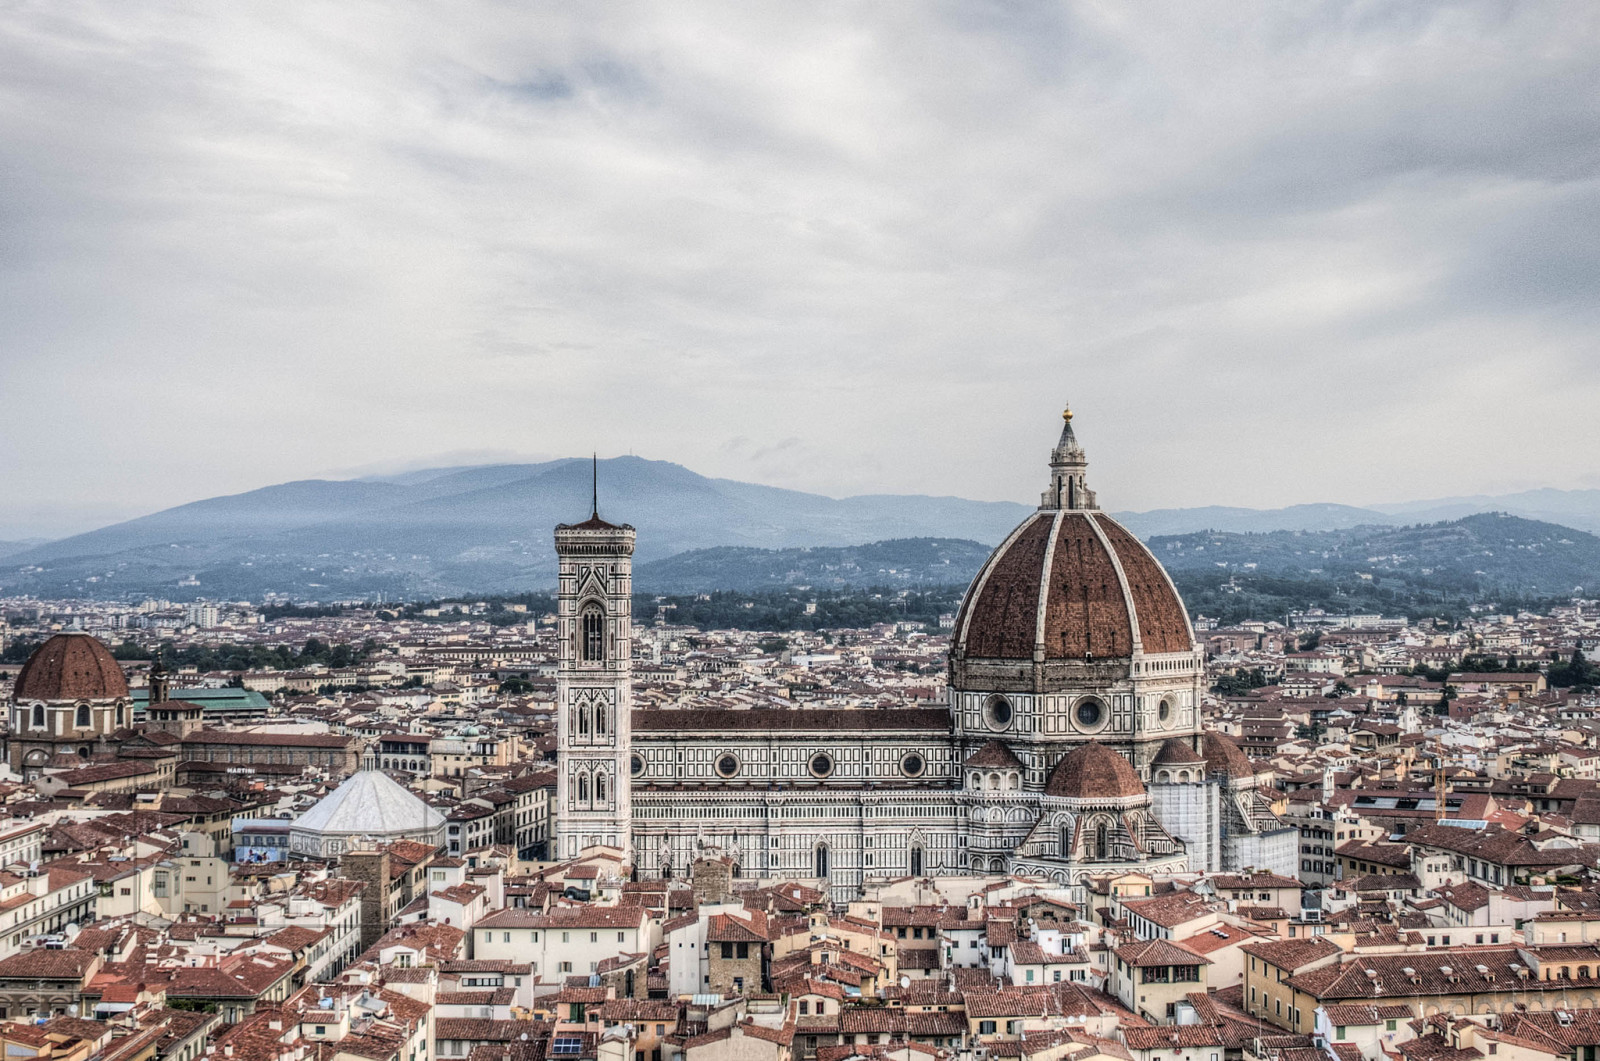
373	803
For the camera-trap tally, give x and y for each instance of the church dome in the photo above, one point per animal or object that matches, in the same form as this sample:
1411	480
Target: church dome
1072	582
1175	751
1223	756
71	667
1094	771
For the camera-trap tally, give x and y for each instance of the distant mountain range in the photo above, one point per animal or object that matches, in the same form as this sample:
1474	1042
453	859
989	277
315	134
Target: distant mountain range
460	530
485	529
901	563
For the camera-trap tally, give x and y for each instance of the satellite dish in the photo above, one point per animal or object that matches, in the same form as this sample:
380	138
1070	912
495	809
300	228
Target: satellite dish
905	981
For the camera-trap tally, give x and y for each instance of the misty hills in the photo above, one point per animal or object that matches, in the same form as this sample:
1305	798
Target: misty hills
479	529
1426	568
487	528
1432	568
901	563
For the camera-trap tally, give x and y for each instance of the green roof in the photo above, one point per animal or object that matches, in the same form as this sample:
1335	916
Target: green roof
219	701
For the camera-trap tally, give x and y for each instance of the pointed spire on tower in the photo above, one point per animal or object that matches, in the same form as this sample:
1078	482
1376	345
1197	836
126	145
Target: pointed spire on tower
594	508
1068	465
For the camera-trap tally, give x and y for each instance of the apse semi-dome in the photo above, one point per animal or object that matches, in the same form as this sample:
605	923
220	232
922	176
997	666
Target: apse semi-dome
1093	771
71	667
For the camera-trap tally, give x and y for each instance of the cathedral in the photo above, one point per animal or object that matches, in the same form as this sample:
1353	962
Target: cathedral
1069	747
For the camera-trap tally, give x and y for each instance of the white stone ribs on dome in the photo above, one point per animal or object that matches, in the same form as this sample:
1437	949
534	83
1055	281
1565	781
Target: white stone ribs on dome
1044	585
1122	581
975	591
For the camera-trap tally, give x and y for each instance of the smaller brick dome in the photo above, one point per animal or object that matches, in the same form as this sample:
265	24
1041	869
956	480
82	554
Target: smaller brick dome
1094	771
1225	757
71	667
1175	751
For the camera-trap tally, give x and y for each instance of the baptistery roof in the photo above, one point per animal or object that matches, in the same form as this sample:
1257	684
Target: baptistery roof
1071	582
71	667
370	803
1094	771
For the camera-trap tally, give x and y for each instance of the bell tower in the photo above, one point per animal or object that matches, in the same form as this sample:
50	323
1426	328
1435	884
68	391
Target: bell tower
594	686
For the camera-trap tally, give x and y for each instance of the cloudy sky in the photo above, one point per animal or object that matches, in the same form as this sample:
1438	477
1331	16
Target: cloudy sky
1275	254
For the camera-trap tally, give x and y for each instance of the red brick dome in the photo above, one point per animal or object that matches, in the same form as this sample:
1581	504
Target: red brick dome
71	667
1102	591
1070	581
1223	756
1094	771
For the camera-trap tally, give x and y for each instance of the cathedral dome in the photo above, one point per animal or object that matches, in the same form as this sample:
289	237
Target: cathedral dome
1093	771
1071	583
71	667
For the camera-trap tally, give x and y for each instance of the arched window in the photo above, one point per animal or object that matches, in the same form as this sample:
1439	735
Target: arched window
822	866
600	720
916	861
1102	844
594	634
82	721
583	721
583	788
600	788
1066	841
38	716
119	715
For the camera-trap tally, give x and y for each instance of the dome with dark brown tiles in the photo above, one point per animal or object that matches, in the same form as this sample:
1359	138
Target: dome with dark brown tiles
1175	751
1223	756
1070	583
1093	771
71	667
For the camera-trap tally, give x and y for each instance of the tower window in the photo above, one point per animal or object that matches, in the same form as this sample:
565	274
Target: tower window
600	788
1102	846
38	716
594	634
83	716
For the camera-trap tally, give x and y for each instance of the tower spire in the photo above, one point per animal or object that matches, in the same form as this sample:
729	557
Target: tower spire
594	469
1068	486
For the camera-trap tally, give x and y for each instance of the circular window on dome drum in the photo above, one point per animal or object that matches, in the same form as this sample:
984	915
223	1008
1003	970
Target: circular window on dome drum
997	713
636	766
727	765
1164	711
913	765
821	764
1090	713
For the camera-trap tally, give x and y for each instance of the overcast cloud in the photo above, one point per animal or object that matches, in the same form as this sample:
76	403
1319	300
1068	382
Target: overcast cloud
1272	254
